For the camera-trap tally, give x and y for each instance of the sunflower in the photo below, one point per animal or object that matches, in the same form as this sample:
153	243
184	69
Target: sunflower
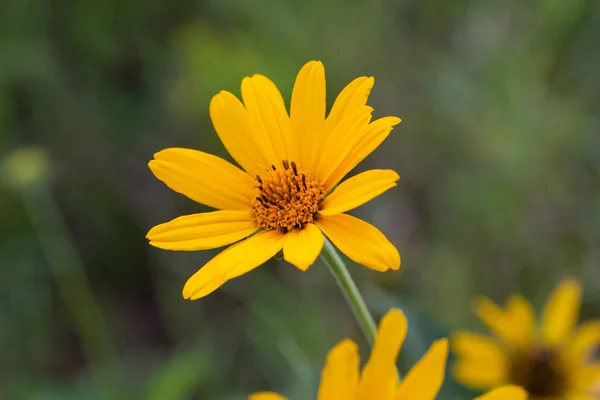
341	380
286	196
550	363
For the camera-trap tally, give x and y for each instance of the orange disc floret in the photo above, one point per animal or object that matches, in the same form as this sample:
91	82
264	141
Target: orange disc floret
287	198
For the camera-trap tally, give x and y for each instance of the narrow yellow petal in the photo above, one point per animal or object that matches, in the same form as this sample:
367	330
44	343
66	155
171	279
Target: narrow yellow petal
479	375
358	190
266	396
237	132
353	96
560	313
269	117
302	246
509	392
307	115
584	341
523	318
364	144
585	376
340	142
478	348
202	231
480	360
360	241
425	379
204	178
339	378
232	262
499	322
379	378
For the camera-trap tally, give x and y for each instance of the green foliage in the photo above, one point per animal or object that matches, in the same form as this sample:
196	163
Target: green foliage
498	153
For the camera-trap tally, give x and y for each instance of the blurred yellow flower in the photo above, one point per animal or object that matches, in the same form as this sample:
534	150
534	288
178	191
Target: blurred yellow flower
284	199
341	378
25	166
553	362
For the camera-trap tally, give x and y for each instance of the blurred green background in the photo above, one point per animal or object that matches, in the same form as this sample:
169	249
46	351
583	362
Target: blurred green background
499	153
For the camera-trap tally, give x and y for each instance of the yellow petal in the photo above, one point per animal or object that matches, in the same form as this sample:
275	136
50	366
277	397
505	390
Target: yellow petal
360	241
302	246
269	117
509	392
204	178
580	396
478	348
500	322
307	115
341	140
560	313
339	378
523	318
266	396
379	378
358	190
354	96
364	144
202	231
425	379
232	262
237	132
479	375
585	377
584	341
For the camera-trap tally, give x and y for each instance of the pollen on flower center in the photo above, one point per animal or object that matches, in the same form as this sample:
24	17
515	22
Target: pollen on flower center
287	198
540	372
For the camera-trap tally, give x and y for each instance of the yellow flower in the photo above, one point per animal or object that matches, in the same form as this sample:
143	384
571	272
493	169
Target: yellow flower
25	166
342	380
552	363
284	198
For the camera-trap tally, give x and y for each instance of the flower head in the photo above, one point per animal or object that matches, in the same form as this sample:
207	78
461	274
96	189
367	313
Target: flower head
550	363
342	379
286	196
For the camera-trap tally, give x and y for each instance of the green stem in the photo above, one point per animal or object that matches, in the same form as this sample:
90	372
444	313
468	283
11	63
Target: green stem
348	287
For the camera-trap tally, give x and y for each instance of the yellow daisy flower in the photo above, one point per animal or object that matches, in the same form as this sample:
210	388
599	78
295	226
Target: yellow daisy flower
284	198
550	363
342	380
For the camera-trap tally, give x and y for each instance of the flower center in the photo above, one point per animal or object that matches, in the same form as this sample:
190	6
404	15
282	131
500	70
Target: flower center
540	372
286	198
